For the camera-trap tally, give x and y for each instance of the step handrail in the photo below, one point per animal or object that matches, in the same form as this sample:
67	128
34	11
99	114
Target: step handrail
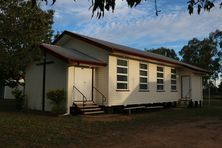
84	99
188	94
103	96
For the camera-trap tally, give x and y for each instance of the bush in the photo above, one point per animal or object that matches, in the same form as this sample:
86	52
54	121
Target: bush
19	98
58	100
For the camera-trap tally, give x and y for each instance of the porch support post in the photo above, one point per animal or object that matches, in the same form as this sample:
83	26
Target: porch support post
92	84
43	82
70	83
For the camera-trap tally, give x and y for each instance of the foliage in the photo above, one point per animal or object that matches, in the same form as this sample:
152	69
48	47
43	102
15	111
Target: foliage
205	5
220	87
19	98
217	38
165	52
100	6
56	35
22	29
58	99
205	54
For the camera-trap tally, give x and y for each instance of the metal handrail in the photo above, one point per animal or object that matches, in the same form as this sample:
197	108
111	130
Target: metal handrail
103	96
188	94
84	99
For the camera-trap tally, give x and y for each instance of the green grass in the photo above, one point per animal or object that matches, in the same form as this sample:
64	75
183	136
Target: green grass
37	130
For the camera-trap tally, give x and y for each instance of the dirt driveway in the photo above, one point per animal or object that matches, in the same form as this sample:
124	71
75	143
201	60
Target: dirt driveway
198	133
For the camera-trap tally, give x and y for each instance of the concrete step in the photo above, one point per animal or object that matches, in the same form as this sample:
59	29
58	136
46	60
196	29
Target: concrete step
88	101
93	112
88	106
90	109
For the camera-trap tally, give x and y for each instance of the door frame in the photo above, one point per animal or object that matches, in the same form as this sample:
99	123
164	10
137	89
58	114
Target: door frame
92	76
182	85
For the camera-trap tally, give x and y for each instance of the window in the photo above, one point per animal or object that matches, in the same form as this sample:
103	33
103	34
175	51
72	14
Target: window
173	80
122	74
160	79
143	76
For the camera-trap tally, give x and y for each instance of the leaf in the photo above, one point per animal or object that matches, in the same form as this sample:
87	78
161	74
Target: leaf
190	9
53	2
192	2
107	7
199	9
46	2
208	6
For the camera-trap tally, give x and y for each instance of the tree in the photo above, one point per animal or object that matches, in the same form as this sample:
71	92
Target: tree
165	52
204	54
100	6
22	29
217	38
220	87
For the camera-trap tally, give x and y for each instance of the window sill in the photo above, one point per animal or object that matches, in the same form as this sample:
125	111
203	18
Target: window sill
122	90
160	91
174	91
143	90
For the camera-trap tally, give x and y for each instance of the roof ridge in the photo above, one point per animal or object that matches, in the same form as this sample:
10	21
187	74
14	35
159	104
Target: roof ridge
127	50
89	37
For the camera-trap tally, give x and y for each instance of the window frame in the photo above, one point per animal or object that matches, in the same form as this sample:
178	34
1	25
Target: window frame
142	76
160	78
122	74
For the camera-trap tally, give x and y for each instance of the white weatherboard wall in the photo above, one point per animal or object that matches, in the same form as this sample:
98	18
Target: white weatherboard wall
133	95
56	78
8	92
101	73
88	49
70	83
101	83
33	86
197	94
195	84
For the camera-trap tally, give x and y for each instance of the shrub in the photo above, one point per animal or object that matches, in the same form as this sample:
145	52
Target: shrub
58	100
19	98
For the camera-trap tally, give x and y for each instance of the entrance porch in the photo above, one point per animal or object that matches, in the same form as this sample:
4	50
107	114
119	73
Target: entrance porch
85	95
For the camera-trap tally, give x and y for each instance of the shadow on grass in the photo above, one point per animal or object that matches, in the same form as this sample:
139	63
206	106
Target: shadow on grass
41	130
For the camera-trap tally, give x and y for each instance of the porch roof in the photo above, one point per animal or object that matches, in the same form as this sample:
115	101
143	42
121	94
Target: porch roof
72	56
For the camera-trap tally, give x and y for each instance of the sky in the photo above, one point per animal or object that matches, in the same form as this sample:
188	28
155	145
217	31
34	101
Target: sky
138	27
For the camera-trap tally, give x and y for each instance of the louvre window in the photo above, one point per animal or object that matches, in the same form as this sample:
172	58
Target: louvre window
160	79
122	74
143	76
173	80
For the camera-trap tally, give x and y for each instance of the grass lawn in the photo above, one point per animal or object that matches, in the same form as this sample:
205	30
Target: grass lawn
194	127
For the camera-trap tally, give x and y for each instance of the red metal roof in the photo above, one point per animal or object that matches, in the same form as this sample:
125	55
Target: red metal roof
71	55
112	47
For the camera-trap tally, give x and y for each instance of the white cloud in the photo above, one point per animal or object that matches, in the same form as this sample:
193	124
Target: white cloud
137	27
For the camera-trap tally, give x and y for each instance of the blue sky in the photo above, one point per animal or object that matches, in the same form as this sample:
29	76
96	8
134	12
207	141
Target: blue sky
138	27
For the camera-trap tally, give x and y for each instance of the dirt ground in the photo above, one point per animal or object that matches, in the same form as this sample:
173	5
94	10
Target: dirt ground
167	128
205	133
